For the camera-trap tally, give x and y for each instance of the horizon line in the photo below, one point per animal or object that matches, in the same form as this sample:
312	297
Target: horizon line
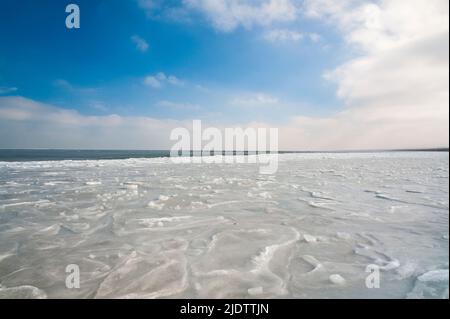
431	149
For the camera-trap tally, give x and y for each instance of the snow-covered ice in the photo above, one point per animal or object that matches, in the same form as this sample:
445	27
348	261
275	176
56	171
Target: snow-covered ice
149	228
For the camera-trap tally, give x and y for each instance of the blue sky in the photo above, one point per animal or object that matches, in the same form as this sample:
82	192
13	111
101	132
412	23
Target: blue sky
104	67
268	61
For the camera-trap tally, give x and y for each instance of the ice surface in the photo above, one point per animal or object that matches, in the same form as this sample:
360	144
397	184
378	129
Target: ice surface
149	228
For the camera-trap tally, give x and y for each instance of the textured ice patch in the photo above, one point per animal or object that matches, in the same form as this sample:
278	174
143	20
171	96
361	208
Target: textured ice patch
337	279
22	292
432	284
145	277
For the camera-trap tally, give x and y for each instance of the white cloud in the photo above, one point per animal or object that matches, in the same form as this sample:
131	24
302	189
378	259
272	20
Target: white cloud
7	90
152	81
254	100
158	80
379	25
283	35
140	43
227	15
396	89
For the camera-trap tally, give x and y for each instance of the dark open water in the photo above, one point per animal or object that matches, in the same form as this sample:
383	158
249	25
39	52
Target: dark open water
58	155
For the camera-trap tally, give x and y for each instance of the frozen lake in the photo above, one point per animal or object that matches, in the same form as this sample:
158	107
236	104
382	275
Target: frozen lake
148	228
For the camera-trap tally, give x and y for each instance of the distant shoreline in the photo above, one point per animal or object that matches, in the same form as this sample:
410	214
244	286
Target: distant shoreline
29	155
433	149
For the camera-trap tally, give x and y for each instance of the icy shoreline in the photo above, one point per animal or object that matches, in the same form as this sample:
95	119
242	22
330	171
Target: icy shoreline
148	228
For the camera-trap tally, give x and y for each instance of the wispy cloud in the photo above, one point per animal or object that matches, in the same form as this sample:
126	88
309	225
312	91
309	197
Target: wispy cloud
254	100
74	89
7	90
224	15
289	36
178	105
167	10
314	37
98	105
140	43
283	35
148	4
152	81
158	80
25	123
